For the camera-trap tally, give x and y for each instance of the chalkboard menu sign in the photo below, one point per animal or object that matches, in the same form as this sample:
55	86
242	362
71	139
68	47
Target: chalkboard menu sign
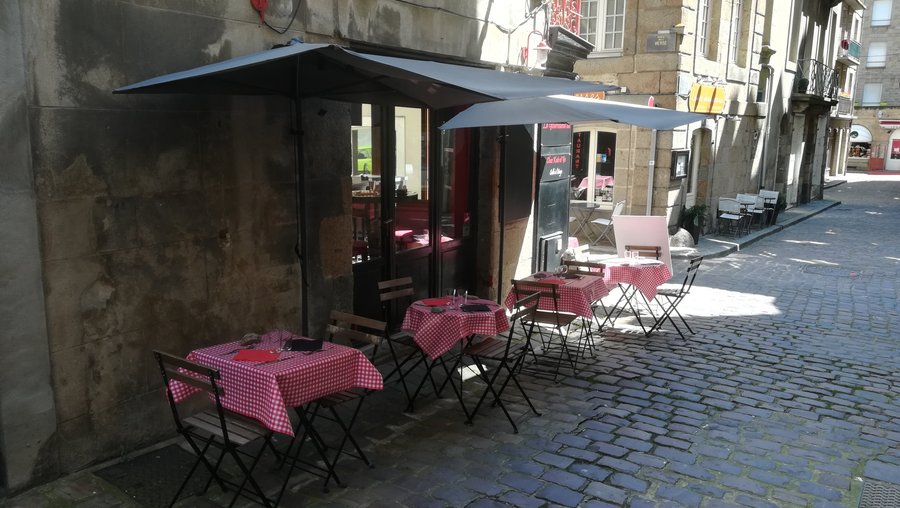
556	166
556	134
556	151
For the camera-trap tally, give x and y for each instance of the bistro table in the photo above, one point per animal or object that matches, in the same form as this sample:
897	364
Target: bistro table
642	276
600	181
438	324
576	295
265	390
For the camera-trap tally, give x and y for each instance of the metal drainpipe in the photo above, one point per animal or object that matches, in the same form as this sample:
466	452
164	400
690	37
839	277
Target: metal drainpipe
651	166
762	172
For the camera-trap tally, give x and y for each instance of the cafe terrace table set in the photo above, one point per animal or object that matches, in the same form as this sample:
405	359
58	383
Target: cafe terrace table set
635	277
439	324
265	390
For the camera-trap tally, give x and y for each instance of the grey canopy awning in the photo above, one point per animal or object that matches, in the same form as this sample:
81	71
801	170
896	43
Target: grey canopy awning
566	108
331	72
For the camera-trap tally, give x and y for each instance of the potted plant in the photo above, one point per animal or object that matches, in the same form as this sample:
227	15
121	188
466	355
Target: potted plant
693	219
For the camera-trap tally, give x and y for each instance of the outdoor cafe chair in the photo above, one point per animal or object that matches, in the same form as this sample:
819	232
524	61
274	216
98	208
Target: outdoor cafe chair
502	354
729	216
558	323
752	209
215	429
645	251
670	297
395	296
593	269
366	335
770	201
607	224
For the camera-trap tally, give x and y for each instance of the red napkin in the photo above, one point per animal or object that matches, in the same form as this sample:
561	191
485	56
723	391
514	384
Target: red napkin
434	302
558	282
255	355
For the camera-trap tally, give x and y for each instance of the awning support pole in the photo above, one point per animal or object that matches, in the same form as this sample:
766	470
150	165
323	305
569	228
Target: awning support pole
651	166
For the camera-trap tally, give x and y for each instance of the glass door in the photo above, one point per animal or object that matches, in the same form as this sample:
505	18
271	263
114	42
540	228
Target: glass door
594	160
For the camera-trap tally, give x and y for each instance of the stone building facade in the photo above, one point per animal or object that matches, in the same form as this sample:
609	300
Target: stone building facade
877	96
133	223
770	63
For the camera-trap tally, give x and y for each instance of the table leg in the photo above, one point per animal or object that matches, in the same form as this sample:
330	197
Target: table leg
304	430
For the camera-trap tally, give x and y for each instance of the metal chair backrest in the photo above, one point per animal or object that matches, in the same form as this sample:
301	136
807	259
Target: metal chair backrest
729	205
584	267
770	196
393	294
356	330
174	368
645	251
690	275
525	288
617	209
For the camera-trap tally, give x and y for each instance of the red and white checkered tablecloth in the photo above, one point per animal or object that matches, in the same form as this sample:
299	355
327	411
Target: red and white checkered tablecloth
645	276
574	295
265	391
435	333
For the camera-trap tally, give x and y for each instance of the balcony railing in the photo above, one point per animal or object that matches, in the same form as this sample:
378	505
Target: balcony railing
844	106
849	52
816	78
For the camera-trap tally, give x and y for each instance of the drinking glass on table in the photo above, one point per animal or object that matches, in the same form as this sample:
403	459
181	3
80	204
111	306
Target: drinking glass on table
451	297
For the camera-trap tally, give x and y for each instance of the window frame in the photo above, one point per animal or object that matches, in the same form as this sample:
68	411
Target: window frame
734	46
598	38
703	28
882	21
876	59
866	86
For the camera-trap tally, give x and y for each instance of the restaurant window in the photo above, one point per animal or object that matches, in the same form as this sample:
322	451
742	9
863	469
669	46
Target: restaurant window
455	213
412	179
593	159
877	56
603	24
871	94
365	176
881	12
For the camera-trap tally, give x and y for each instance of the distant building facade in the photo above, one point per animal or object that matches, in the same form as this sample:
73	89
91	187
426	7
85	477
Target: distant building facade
877	96
773	75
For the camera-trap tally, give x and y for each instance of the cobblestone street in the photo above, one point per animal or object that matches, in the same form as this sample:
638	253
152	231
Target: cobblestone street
787	395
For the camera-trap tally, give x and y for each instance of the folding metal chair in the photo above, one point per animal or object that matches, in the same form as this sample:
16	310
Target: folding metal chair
504	354
729	215
596	270
216	428
770	200
395	296
752	208
673	297
365	334
554	319
607	224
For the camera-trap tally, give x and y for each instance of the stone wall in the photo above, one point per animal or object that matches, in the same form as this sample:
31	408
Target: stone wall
27	412
133	223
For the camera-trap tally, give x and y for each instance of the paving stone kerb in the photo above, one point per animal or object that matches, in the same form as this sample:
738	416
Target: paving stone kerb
786	394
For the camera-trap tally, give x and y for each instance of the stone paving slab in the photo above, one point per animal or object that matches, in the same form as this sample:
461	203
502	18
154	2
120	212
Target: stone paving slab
786	395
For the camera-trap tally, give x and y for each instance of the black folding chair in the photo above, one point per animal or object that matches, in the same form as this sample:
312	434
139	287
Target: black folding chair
396	295
593	269
362	333
215	429
558	322
505	354
672	297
